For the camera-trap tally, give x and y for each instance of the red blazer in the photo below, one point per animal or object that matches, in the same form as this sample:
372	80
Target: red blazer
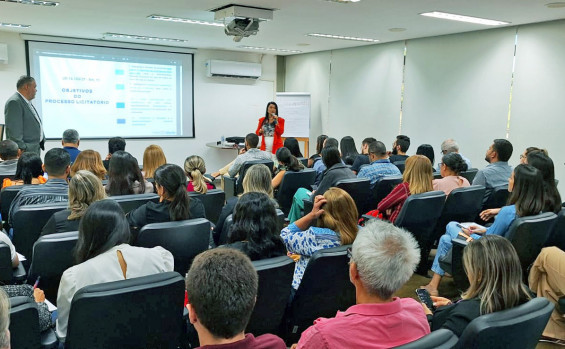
279	130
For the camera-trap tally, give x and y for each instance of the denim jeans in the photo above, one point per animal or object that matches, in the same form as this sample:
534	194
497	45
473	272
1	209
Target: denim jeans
445	244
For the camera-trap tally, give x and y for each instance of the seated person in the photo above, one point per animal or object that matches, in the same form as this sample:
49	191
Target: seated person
103	255
9	152
428	151
195	168
248	153
450	168
319	146
153	157
287	162
29	170
291	144
380	164
255	229
363	158
495	278
174	202
383	259
222	284
498	171
70	143
319	165
335	172
4	321
57	165
547	279
336	216
399	149
416	179
124	176
451	146
257	179
114	144
89	160
348	150
84	189
35	294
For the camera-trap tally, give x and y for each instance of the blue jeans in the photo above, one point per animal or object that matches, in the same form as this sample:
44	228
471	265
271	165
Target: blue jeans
445	244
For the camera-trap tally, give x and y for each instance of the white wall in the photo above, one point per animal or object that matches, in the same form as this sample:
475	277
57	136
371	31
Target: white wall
455	86
229	107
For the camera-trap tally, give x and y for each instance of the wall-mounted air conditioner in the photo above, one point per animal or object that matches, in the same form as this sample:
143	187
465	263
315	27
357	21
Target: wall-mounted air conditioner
231	69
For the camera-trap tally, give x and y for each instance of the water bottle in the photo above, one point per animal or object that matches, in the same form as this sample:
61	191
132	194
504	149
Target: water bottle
223	139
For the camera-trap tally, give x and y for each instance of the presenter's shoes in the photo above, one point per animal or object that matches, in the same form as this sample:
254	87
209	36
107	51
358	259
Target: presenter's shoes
552	340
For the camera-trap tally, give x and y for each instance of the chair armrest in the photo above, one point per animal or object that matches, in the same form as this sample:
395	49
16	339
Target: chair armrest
49	339
19	273
230	186
561	305
460	242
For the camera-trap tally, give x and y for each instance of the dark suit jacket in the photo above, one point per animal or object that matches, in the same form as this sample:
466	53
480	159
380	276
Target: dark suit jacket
21	126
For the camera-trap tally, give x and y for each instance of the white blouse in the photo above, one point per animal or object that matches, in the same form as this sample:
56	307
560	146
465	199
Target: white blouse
106	268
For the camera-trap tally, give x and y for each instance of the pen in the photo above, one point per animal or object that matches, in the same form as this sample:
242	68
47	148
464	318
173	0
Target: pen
36	282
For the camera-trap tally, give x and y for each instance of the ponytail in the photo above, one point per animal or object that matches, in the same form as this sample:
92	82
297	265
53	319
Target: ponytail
195	168
178	209
173	180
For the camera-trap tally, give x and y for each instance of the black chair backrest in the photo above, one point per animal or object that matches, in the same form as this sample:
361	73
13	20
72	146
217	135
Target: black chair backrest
184	239
557	237
461	205
133	201
304	161
275	283
5	263
7	195
143	312
290	183
400	165
243	170
52	255
457	270
28	223
497	198
213	202
469	174
439	339
419	215
528	235
325	288
360	191
24	323
226	231
382	188
519	327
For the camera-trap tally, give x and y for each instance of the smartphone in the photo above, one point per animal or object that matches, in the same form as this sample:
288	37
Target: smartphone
425	298
462	226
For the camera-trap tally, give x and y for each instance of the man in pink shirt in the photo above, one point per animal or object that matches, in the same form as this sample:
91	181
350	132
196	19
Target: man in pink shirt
383	258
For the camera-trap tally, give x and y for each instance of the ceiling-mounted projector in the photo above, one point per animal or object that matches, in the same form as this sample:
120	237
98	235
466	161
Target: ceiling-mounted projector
241	21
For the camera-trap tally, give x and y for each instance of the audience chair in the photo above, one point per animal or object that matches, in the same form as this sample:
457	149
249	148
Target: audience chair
528	236
290	183
28	222
226	231
184	239
461	205
304	161
275	283
133	201
381	189
8	274
469	174
439	339
519	327
52	255
233	186
7	195
419	215
400	165
557	237
24	326
144	312
457	270
437	175
359	189
213	202
497	198
325	289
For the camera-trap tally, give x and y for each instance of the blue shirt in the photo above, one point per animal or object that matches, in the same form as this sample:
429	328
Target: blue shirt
502	222
377	170
73	152
494	175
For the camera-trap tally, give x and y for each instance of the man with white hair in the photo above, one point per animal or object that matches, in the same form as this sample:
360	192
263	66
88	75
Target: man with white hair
451	146
70	143
383	258
4	320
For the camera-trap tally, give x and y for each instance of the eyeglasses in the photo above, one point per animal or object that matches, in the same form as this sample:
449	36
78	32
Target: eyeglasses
522	156
444	152
349	254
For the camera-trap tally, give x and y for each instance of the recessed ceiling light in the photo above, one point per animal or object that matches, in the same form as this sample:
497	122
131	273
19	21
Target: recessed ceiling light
269	49
396	30
343	1
184	20
33	2
13	25
556	5
341	37
138	37
461	18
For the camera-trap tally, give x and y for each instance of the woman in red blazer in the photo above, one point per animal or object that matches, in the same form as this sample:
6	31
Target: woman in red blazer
271	127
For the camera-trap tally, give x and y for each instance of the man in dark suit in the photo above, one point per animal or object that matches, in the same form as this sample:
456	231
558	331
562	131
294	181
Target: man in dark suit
23	124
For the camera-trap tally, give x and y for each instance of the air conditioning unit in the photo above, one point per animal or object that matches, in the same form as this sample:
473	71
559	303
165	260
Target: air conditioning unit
231	69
